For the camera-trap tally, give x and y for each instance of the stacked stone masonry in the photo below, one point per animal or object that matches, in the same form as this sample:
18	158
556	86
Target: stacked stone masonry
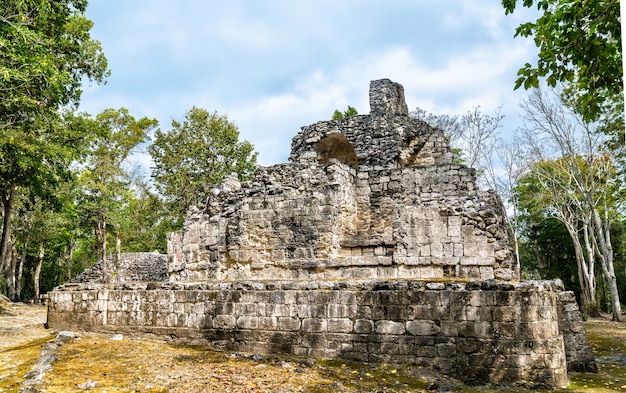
479	331
370	244
128	267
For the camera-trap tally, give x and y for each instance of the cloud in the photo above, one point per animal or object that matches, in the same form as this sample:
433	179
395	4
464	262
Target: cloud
277	65
467	80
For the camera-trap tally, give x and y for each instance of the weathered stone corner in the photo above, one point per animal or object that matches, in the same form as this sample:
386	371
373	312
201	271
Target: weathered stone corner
387	99
370	244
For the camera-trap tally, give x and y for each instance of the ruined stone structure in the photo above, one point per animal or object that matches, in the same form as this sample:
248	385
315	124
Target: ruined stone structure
370	244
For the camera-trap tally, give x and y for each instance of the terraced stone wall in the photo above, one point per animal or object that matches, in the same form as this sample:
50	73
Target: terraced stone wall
478	331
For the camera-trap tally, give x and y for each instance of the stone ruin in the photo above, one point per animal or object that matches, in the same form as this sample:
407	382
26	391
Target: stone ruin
370	244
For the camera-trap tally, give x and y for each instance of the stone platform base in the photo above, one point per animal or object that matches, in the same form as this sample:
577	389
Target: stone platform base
479	332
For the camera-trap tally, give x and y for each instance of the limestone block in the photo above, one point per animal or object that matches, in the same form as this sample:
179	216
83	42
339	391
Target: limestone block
446	350
268	323
339	325
289	323
422	328
363	326
224	322
436	248
314	325
389	327
486	273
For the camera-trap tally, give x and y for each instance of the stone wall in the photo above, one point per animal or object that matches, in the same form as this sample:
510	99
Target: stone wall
318	222
580	357
129	267
369	196
479	332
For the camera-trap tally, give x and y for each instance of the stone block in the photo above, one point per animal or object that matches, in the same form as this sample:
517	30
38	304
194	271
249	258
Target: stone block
422	328
248	322
363	326
339	325
314	325
224	322
289	323
389	327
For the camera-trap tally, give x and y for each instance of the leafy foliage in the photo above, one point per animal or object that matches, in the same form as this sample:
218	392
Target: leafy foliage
195	155
45	52
106	189
580	45
351	111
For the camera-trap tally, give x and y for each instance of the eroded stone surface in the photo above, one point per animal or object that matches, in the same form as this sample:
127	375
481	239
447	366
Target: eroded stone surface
370	196
370	244
479	332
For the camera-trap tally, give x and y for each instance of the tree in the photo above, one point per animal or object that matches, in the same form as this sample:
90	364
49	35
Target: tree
145	221
105	184
45	52
580	175
548	191
580	45
351	111
513	165
547	251
195	155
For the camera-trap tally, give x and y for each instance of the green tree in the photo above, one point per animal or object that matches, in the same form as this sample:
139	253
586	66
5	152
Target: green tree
547	192
195	155
146	220
580	45
45	52
105	183
351	111
577	178
547	251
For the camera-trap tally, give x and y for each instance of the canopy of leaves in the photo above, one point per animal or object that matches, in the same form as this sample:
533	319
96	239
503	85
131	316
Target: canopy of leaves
45	51
579	44
195	155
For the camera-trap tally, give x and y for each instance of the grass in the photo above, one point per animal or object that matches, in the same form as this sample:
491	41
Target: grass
98	364
16	361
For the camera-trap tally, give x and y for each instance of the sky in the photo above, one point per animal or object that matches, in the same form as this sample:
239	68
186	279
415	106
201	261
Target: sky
273	66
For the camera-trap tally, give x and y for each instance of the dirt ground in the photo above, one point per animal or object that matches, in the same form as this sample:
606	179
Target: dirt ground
106	363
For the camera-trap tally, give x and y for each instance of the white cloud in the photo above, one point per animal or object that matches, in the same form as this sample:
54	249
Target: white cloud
275	66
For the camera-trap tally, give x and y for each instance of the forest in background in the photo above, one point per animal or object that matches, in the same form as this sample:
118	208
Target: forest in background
69	198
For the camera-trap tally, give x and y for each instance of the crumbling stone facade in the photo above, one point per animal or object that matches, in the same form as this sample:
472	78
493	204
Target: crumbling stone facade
369	196
370	244
128	267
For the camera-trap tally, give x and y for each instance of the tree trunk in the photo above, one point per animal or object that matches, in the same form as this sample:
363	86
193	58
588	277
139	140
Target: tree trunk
9	275
42	248
602	233
100	248
68	255
8	199
118	247
585	276
20	271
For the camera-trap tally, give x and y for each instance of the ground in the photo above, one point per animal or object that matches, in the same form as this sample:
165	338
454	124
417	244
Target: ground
106	363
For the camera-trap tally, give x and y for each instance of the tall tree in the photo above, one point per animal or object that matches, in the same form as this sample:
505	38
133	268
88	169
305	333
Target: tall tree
580	44
105	183
582	170
549	191
45	52
195	155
